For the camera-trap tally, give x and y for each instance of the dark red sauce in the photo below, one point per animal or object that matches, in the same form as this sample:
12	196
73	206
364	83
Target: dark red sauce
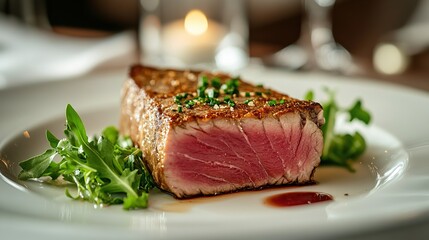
297	198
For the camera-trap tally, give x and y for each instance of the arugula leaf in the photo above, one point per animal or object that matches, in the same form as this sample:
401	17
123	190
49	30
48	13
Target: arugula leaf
74	127
111	133
345	148
36	166
359	113
105	170
53	141
330	110
309	95
341	149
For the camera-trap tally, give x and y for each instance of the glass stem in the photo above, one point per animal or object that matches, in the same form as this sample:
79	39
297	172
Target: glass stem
319	21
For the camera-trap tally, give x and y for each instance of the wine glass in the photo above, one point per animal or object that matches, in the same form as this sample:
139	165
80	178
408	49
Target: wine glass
316	47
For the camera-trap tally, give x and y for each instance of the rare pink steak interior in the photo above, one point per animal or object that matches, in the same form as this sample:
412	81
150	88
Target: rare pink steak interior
203	133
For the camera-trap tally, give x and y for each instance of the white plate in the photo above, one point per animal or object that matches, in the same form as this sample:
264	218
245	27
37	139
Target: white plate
389	191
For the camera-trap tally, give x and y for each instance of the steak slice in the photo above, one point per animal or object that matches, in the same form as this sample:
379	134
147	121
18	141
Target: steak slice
241	140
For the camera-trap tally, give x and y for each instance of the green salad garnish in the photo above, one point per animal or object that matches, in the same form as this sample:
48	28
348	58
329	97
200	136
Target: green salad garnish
341	149
106	169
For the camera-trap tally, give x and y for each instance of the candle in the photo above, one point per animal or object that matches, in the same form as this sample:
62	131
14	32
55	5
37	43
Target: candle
192	40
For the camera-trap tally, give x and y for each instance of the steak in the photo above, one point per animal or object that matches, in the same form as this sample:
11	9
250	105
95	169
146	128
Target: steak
206	133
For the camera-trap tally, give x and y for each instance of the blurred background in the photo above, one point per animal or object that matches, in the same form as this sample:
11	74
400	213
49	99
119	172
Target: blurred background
387	39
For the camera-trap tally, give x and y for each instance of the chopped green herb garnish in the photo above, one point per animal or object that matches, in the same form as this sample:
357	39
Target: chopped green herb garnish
105	170
272	102
189	103
216	83
247	101
247	94
258	93
204	82
212	93
201	92
208	92
179	97
179	109
231	103
282	101
212	101
231	86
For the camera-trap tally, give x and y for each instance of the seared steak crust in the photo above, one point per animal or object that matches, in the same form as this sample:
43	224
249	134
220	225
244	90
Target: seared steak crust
215	149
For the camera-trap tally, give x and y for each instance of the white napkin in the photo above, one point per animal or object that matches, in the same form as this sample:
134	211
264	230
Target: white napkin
29	55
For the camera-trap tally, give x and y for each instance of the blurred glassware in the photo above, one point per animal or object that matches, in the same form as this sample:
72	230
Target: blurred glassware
393	55
182	33
316	47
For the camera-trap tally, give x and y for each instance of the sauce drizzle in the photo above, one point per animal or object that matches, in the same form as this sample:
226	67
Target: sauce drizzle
296	198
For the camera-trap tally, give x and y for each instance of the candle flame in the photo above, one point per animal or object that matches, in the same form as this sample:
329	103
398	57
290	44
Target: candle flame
196	22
